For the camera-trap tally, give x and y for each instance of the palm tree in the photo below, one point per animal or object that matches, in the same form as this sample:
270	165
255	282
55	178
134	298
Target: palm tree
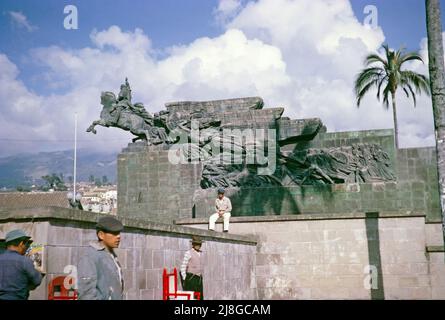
386	74
437	76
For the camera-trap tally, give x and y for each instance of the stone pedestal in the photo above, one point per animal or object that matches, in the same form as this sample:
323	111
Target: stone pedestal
151	188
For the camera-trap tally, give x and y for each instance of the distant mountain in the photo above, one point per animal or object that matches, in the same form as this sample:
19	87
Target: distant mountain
28	169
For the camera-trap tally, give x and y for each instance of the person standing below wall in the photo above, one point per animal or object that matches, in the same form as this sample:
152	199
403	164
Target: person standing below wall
99	271
223	208
2	246
192	268
17	273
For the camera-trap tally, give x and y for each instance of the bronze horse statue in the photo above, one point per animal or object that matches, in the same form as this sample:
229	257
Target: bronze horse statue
117	114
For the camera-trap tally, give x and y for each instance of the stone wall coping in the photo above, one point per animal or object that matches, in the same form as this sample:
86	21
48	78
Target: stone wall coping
71	215
312	216
375	132
435	249
433	221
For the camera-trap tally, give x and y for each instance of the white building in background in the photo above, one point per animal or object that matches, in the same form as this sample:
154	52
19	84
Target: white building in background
100	200
110	195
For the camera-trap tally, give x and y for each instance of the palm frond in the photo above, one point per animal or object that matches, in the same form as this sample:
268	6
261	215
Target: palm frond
397	56
380	85
373	58
386	91
419	81
387	50
361	93
413	95
367	75
410	56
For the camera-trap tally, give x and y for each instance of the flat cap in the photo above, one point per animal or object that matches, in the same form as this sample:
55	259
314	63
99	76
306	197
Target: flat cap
197	240
221	190
110	224
16	234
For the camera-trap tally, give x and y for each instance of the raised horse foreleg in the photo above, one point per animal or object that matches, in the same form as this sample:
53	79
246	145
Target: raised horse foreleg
94	124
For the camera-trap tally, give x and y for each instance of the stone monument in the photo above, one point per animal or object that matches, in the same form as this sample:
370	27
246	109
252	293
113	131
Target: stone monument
269	164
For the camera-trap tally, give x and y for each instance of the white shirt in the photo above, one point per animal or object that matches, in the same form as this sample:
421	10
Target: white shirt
224	204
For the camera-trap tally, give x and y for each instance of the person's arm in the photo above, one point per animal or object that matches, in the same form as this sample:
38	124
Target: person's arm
185	262
216	205
34	277
87	279
229	205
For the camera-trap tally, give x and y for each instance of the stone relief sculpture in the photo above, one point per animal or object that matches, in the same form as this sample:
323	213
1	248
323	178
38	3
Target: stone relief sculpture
353	164
305	165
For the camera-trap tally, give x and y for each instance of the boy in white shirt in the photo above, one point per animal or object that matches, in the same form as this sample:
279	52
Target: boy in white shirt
223	208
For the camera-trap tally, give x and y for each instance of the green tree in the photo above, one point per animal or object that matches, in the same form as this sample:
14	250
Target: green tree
98	182
386	74
55	182
23	188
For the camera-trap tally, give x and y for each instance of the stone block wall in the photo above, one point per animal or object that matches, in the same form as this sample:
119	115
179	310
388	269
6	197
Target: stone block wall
152	188
418	166
145	249
437	271
415	187
216	106
339	198
435	255
331	256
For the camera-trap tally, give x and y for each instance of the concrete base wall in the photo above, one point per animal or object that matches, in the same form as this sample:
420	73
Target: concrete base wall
368	257
387	255
146	248
437	273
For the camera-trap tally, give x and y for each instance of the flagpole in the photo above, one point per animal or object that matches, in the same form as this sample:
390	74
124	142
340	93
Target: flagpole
75	155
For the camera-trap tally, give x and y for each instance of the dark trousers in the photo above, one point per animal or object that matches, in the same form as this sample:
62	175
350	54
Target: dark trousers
193	282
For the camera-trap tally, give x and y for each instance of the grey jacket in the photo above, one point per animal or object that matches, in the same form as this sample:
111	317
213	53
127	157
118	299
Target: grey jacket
98	275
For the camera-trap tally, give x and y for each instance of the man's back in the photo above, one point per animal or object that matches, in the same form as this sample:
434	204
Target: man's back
17	276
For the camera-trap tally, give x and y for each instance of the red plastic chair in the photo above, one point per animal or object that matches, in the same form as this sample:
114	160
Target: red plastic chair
58	291
170	288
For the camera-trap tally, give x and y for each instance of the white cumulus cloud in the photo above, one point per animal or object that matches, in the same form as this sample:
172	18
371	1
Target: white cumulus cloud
323	45
20	20
230	65
302	55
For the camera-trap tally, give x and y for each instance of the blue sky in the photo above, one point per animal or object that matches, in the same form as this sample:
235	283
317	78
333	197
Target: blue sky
176	34
166	22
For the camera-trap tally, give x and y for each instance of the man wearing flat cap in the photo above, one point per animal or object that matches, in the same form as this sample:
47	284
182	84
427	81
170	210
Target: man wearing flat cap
192	268
17	273
223	208
99	271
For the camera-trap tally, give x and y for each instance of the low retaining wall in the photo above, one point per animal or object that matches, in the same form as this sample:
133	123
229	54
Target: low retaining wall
332	256
145	249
